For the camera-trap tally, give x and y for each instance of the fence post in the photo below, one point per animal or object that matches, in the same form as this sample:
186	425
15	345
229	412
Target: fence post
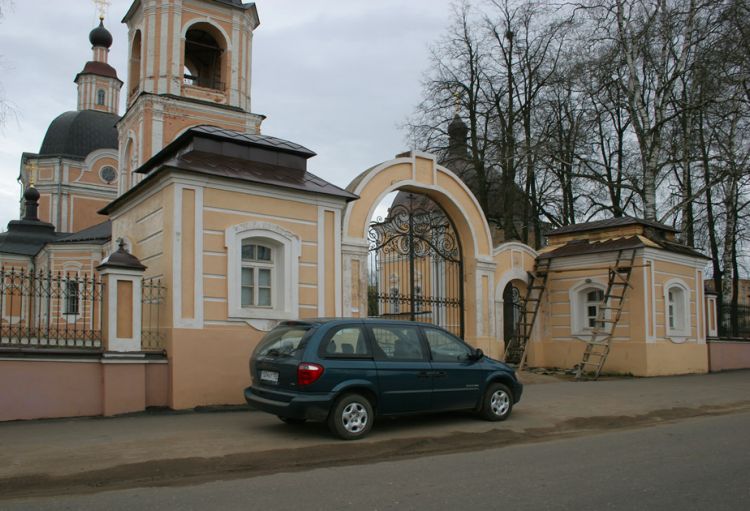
122	275
712	322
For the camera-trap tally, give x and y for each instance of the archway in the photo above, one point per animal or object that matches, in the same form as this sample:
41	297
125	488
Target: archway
419	174
415	269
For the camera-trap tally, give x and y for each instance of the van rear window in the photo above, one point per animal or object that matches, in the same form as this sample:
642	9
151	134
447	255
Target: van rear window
284	341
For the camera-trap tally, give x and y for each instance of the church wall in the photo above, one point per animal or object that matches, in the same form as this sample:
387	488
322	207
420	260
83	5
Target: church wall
84	212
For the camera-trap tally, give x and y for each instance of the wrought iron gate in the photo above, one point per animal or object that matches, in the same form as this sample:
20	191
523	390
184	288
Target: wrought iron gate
416	271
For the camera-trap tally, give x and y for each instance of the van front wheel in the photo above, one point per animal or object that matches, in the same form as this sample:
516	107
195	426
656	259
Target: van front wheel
351	417
498	402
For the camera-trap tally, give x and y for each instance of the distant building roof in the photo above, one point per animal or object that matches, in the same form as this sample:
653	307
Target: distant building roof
78	133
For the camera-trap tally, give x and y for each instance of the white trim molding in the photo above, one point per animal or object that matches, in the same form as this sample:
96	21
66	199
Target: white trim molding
578	325
681	310
286	271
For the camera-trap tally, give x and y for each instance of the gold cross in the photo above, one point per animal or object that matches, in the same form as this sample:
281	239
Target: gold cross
102	5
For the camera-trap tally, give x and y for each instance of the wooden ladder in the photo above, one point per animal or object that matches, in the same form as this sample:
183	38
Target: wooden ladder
515	351
608	315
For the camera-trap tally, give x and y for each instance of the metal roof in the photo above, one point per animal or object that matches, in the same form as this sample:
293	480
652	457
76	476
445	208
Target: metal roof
100	233
257	140
217	152
78	133
610	223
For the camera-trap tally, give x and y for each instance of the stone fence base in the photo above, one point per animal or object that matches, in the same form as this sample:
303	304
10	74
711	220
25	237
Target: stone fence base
49	385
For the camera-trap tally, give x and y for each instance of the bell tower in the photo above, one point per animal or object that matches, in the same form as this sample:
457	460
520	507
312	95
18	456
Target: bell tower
189	63
98	84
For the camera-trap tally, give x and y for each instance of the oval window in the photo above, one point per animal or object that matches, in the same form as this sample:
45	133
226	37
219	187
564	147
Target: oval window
108	174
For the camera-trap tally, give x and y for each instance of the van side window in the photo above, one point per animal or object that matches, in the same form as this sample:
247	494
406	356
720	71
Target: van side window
444	347
396	342
345	342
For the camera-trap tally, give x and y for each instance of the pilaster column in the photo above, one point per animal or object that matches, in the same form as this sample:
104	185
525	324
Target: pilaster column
122	274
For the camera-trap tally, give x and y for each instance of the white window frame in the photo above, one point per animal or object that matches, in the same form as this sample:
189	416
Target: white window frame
101	97
284	279
579	325
681	294
256	265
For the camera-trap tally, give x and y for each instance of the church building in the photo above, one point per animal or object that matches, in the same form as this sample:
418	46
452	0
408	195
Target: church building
156	248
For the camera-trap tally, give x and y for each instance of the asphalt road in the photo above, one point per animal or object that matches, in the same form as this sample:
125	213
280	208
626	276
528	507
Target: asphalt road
698	463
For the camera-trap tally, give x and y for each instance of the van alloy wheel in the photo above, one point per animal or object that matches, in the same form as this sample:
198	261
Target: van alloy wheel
498	402
351	417
354	417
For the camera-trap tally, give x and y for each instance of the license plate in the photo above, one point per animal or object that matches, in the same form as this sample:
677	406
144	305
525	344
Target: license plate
269	376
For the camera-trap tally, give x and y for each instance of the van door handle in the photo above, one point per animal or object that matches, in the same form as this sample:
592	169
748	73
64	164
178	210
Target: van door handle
423	374
440	374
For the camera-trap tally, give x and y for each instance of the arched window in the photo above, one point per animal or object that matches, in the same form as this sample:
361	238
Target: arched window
204	57
135	63
262	271
677	309
511	310
585	301
101	96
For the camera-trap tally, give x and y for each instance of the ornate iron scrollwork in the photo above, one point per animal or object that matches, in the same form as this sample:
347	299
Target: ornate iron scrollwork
416	268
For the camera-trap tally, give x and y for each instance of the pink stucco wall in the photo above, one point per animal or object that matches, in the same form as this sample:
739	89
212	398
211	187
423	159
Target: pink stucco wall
39	389
157	385
727	355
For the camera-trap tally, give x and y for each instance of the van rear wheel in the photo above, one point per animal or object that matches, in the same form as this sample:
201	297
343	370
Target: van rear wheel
351	417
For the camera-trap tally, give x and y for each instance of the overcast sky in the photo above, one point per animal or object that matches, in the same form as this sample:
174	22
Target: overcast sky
337	76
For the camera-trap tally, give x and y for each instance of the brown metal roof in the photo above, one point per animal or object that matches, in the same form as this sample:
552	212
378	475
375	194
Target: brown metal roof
610	223
582	247
98	68
258	159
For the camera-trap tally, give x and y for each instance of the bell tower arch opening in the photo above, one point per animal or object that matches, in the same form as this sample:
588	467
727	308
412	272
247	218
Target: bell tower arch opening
134	66
204	57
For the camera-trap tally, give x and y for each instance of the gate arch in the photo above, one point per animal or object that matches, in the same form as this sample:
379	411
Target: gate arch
419	173
415	264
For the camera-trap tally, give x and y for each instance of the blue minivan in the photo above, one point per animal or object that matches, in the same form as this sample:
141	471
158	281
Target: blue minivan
347	371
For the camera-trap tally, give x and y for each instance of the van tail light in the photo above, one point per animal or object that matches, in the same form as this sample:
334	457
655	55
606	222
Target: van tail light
308	373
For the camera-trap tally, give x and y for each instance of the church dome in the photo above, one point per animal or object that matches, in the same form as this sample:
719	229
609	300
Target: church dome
100	36
78	133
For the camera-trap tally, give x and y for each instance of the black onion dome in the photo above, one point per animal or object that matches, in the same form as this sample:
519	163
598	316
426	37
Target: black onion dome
31	194
457	128
100	36
78	133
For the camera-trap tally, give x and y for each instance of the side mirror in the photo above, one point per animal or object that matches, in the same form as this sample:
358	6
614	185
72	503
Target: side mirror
477	354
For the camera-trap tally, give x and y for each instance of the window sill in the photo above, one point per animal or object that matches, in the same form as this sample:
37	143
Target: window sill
677	338
257	313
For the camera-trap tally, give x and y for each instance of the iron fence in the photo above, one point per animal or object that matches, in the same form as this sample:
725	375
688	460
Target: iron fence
50	310
153	301
737	324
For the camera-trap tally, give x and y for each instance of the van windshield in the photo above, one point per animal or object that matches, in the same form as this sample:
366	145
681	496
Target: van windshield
284	341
